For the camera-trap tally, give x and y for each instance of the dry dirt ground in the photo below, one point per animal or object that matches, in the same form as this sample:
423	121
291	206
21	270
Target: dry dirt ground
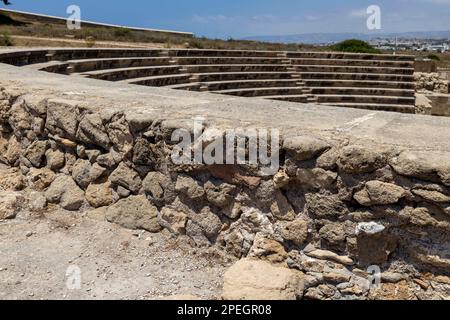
39	257
25	41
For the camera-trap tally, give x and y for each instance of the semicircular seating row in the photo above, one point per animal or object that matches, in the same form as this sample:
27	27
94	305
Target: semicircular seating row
367	81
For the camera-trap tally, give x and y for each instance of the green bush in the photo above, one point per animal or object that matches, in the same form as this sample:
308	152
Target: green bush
5	40
433	57
122	32
354	45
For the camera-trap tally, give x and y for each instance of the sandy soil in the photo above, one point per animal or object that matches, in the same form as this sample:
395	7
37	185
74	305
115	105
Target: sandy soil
26	41
40	257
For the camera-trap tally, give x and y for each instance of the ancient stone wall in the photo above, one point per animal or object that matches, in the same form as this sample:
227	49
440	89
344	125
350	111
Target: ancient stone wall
430	82
332	210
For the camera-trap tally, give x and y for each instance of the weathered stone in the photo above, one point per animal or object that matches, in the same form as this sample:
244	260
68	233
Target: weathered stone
281	208
80	173
316	178
329	255
122	192
143	153
379	193
430	166
393	291
66	192
10	204
106	160
369	228
232	175
126	177
37	201
92	131
92	154
392	277
259	280
433	196
295	231
329	159
305	148
14	151
334	234
209	222
267	249
336	277
12	180
40	179
374	244
35	153
325	206
356	159
159	187
219	194
96	171
426	215
177	220
62	117
189	187
99	195
281	180
55	159
119	134
134	212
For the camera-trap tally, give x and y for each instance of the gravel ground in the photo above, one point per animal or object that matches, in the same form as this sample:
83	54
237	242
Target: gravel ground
41	256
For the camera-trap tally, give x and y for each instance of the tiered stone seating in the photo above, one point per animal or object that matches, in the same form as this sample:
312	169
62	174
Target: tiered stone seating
379	82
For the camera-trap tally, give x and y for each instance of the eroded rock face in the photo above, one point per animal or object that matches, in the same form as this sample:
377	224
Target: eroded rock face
332	209
126	177
379	193
258	280
305	148
66	193
10	204
134	212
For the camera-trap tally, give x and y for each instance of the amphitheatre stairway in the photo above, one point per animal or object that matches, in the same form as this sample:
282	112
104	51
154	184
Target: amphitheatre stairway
350	189
365	81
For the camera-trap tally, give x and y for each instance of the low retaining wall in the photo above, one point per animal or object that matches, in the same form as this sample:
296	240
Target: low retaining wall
342	200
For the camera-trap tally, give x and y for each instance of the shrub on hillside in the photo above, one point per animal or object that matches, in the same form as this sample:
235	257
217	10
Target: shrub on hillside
433	57
5	40
354	45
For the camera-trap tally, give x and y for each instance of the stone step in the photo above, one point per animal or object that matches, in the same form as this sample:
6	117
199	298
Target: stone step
362	91
130	73
229	76
359	83
244	84
159	81
258	92
343	55
355	76
300	98
376	106
336	98
353	62
228	60
116	63
209	68
353	69
220	53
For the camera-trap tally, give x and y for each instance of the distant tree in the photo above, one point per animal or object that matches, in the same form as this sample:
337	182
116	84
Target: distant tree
354	45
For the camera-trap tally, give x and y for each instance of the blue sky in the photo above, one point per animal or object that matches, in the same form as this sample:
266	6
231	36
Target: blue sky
241	18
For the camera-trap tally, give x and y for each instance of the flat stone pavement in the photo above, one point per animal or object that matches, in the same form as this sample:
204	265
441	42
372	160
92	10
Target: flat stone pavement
413	132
